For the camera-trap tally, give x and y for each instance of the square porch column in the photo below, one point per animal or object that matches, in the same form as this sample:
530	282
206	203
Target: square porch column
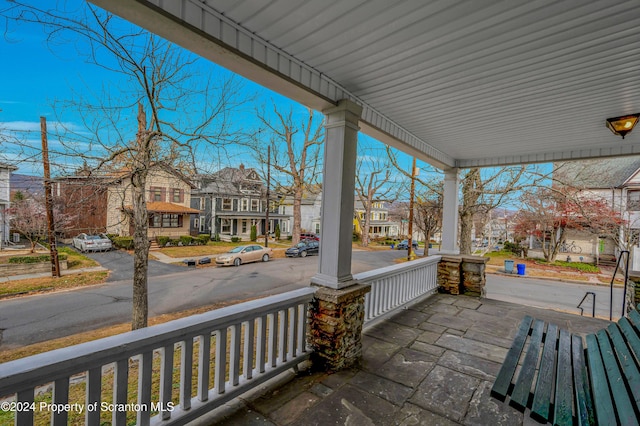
338	189
336	315
450	212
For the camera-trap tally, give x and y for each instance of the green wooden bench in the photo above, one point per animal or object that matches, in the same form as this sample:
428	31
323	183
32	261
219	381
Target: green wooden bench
565	381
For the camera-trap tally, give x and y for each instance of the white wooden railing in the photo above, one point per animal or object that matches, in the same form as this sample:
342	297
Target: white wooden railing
397	285
216	356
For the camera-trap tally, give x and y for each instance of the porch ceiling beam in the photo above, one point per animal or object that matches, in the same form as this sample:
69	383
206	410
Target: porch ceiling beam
201	29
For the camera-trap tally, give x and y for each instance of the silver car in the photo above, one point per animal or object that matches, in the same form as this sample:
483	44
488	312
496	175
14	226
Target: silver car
99	242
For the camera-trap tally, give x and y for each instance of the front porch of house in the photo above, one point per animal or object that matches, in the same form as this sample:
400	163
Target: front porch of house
433	363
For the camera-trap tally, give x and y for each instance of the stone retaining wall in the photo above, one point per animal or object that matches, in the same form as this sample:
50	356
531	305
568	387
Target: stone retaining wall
11	269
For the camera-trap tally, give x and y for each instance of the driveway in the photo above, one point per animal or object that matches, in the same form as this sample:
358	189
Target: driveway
120	263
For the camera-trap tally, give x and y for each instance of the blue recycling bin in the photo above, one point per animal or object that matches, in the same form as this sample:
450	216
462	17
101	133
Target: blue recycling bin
508	266
521	268
393	246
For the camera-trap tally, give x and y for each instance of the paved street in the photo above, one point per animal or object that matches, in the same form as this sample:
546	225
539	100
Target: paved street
556	295
37	318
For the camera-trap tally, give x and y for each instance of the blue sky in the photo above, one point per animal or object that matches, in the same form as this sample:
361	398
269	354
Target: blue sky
37	75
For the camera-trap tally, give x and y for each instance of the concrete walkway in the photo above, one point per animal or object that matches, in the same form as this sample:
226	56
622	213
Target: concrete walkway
431	364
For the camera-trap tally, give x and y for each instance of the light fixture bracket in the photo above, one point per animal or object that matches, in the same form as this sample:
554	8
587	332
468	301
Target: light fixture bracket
623	124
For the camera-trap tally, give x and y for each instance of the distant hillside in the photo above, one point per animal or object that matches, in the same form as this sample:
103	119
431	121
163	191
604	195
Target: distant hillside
27	184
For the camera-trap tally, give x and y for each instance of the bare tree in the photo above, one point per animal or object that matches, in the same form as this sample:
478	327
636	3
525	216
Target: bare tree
373	185
28	216
428	213
178	108
295	150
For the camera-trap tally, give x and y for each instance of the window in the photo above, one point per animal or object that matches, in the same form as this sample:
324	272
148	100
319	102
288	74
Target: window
244	205
202	224
633	201
157	220
255	205
176	195
244	226
225	226
226	204
156	194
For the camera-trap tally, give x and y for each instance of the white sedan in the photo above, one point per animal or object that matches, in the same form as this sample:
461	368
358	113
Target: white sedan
245	254
84	242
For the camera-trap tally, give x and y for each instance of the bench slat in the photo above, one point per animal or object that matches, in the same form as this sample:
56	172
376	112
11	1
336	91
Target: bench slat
503	380
634	317
626	361
544	385
633	341
563	403
522	389
624	409
584	404
601	396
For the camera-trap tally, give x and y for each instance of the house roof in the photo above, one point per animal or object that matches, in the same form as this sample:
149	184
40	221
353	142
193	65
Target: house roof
162	207
597	174
230	180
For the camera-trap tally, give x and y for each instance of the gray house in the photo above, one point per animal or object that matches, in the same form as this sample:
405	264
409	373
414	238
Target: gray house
230	202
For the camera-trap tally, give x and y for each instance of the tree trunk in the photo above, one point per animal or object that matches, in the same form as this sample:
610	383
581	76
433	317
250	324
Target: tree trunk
140	252
297	215
466	225
427	240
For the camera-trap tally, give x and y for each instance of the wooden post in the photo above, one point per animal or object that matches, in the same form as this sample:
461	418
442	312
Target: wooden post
48	200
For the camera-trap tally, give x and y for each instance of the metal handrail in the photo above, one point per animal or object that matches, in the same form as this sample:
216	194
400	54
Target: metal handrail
626	278
593	308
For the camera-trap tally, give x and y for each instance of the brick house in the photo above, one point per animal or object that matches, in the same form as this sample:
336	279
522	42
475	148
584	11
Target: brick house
97	204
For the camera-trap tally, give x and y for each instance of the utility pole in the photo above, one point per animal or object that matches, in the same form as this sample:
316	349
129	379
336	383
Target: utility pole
412	193
266	234
48	200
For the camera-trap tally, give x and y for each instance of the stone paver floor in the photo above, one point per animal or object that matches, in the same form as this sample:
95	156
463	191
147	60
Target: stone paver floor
431	364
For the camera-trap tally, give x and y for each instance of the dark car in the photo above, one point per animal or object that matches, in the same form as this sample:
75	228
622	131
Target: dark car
404	245
303	249
309	236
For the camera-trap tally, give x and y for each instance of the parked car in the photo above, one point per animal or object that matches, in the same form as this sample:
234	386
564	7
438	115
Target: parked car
303	249
309	236
404	245
99	242
244	254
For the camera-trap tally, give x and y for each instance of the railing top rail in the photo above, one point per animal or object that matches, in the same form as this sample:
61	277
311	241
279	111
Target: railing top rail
60	362
395	269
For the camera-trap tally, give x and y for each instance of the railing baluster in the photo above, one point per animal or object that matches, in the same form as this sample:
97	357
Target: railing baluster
262	343
234	355
283	341
120	386
301	318
93	395
144	388
273	340
221	361
204	360
186	368
60	396
166	380
249	335
25	417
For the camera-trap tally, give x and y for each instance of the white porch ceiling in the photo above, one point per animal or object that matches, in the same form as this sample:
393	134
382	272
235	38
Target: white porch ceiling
457	83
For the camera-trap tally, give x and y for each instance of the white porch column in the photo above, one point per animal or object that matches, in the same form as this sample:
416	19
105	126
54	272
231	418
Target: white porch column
450	212
338	186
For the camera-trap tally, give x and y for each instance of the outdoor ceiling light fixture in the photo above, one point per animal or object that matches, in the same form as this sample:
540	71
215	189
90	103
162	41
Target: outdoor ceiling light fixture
622	125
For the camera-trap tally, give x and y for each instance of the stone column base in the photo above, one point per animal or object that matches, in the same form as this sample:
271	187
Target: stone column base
336	318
